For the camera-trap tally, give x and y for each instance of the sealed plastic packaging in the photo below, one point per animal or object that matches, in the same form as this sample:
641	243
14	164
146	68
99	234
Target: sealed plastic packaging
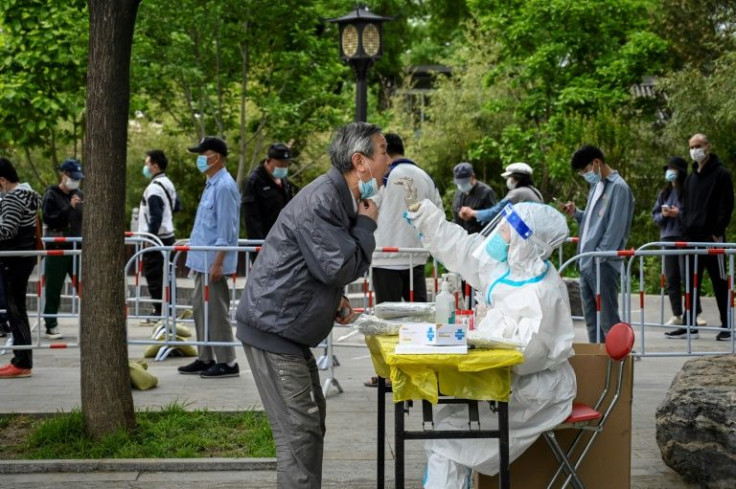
422	311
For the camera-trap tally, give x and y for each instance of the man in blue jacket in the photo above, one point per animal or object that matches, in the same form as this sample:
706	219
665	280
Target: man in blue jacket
321	241
604	226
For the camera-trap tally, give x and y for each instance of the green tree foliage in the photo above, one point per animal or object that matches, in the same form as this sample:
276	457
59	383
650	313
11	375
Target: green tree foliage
43	58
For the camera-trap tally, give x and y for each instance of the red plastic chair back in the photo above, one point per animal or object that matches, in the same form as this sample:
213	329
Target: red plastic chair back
619	341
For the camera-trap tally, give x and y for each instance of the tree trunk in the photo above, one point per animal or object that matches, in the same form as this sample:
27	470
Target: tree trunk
107	402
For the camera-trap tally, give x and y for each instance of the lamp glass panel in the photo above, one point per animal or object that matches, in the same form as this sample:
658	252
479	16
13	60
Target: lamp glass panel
349	41
371	40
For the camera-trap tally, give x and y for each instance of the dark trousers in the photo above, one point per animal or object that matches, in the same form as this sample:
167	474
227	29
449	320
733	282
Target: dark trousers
716	267
609	287
15	273
153	270
674	274
56	270
393	285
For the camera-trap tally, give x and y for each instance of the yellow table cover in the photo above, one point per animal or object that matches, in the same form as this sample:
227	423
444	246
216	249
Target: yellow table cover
480	374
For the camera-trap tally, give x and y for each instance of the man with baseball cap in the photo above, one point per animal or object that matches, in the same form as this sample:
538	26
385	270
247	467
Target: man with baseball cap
216	224
267	191
470	193
62	214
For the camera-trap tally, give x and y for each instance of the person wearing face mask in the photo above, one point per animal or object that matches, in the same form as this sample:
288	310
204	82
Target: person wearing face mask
18	231
62	214
521	189
322	241
706	212
521	301
267	190
666	215
471	193
155	216
217	223
604	225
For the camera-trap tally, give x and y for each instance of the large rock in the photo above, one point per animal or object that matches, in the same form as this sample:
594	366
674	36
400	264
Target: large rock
573	292
696	422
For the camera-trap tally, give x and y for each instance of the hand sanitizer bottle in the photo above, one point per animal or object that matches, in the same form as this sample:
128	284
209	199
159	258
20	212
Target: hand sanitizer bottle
444	305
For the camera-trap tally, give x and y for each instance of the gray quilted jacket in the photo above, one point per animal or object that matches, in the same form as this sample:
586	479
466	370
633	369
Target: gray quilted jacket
318	245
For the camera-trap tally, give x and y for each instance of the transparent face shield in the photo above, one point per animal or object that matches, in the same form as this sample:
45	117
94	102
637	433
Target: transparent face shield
498	235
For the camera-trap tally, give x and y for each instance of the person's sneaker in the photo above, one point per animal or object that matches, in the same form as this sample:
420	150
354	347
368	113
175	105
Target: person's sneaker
723	336
10	371
681	333
196	367
53	333
674	321
701	322
221	370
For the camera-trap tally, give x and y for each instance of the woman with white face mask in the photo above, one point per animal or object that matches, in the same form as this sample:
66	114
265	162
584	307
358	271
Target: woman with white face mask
62	214
666	214
526	304
521	189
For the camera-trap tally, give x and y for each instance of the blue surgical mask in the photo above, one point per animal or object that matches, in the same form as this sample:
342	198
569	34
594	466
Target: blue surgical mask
367	189
202	165
280	172
465	187
147	172
497	248
670	175
592	177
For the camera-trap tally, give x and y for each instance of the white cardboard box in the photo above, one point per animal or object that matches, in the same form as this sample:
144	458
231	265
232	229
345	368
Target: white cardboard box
418	334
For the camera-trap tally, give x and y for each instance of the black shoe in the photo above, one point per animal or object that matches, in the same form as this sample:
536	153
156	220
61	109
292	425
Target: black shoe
221	370
723	336
196	367
681	334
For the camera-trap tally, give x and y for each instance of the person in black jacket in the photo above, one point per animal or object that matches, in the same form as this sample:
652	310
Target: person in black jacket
706	212
471	193
18	228
267	191
62	214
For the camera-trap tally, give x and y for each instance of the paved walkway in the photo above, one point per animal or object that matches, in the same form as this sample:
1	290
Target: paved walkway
350	443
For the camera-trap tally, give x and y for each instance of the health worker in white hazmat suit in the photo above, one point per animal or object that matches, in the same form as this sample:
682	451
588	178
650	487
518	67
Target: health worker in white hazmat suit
527	305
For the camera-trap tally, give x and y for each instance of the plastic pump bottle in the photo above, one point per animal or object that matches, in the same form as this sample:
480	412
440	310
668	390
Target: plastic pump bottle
444	305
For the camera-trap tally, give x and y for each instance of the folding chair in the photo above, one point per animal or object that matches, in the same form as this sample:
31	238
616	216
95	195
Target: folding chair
591	420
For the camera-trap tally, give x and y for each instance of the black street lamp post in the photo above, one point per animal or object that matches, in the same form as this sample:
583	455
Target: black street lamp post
361	44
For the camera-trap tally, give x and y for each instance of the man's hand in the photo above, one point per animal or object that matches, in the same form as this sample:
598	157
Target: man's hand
368	208
568	208
345	313
75	200
216	272
466	213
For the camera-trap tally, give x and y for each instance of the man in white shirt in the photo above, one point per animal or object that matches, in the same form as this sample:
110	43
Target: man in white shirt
391	279
157	207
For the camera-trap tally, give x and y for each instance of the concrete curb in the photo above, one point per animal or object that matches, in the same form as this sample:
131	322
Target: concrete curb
137	465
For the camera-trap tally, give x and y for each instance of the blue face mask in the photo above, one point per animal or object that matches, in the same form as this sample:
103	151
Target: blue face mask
670	175
280	172
202	165
497	248
464	187
369	188
147	172
592	177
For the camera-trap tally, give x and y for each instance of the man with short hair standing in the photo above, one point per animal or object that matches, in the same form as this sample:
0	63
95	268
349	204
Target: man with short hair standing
322	241
471	193
156	216
391	272
604	226
707	205
216	224
62	213
267	191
